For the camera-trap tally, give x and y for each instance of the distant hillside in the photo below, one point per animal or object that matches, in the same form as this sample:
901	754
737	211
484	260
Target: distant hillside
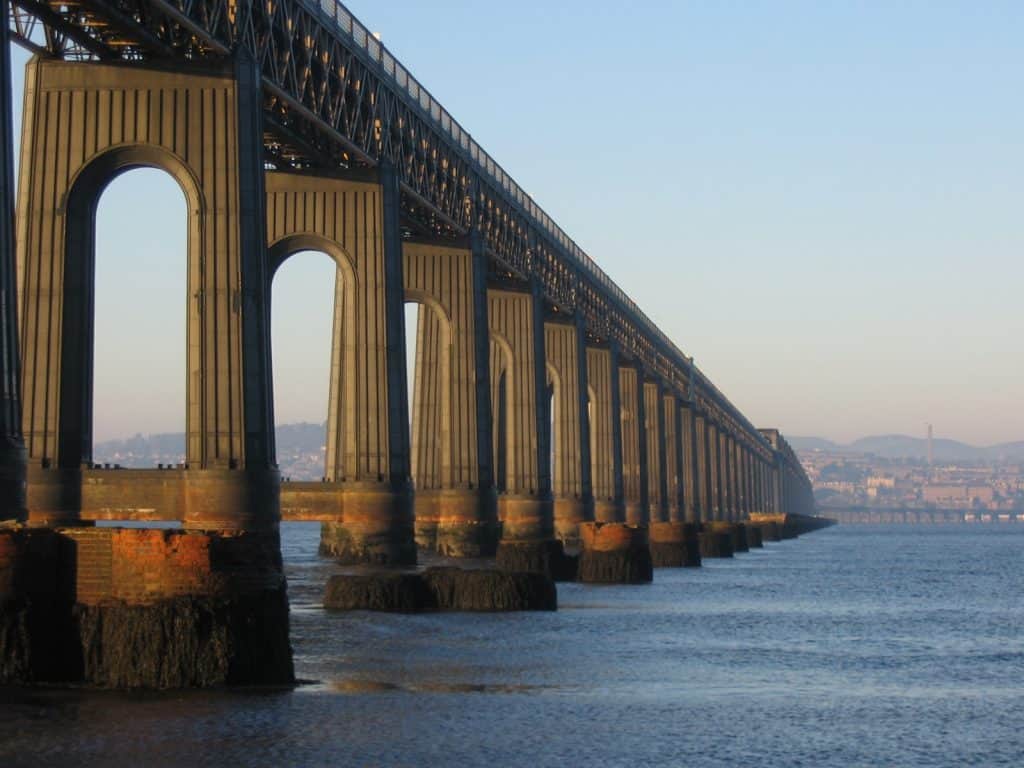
906	447
299	445
300	450
812	444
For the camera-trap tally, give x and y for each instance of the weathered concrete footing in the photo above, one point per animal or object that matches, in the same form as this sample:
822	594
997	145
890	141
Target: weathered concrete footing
569	513
614	553
769	531
791	526
442	589
754	537
457	523
547	557
352	543
675	545
741	543
737	533
715	543
131	608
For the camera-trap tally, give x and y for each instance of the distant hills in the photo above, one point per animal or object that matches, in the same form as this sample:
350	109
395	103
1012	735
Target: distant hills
302	440
906	447
300	450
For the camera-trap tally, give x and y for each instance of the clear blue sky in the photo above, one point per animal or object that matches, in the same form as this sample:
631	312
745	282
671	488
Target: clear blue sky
821	201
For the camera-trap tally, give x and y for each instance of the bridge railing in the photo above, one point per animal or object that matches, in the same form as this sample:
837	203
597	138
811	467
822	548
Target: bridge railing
348	25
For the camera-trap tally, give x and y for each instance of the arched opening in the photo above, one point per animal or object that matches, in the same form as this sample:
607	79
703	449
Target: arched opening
428	349
302	320
555	433
312	332
140	289
501	407
78	321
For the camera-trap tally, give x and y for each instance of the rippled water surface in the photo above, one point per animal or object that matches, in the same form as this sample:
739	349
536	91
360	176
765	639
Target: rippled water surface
848	647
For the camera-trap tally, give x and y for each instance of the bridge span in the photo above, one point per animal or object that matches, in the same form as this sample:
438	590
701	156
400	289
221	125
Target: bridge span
543	396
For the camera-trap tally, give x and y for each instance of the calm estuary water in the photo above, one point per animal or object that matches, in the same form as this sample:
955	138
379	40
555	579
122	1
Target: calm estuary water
849	647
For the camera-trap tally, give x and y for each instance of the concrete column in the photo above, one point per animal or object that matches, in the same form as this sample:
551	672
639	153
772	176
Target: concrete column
655	455
725	475
718	503
583	408
705	469
744	462
729	457
82	126
761	505
775	486
519	388
736	474
754	465
691	464
710	470
573	503
674	474
366	502
394	331
12	446
455	504
762	486
634	447
605	435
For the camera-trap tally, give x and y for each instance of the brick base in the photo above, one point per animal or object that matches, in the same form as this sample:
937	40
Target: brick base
135	608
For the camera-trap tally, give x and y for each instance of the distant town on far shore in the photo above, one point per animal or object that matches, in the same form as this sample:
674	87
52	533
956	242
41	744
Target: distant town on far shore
902	472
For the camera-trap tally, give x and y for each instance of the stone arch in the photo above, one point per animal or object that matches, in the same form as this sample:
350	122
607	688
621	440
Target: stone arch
426	476
86	187
502	405
341	430
556	446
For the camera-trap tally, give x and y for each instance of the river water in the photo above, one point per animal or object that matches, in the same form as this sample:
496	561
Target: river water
853	646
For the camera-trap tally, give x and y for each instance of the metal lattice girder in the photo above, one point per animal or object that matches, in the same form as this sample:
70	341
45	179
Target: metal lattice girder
335	98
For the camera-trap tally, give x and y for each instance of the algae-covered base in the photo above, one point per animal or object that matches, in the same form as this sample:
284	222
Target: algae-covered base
547	557
180	642
442	589
621	566
716	544
676	554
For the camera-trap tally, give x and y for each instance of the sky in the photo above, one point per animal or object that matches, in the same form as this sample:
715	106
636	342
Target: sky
820	201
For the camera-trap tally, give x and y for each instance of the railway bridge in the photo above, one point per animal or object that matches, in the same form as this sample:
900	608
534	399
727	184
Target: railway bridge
543	396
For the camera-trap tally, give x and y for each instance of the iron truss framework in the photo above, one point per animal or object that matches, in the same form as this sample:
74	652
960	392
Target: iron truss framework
336	100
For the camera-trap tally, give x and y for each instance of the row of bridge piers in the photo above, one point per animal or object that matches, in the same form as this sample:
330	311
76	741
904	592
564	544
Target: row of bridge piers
528	424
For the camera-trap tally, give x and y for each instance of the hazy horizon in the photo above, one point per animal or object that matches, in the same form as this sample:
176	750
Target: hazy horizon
821	204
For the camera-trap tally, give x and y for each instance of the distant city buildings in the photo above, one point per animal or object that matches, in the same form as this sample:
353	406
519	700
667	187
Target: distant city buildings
847	479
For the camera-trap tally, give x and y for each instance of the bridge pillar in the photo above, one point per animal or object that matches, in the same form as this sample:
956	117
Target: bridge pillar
634	446
83	125
455	503
738	479
752	499
521	424
365	503
571	462
12	445
690	463
674	471
655	454
745	481
605	434
714	471
703	464
727	457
